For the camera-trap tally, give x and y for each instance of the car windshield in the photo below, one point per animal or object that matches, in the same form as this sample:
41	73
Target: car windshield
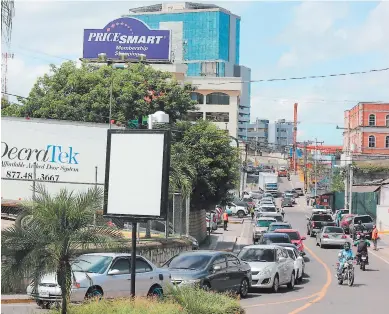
333	230
189	261
275	239
257	255
294	235
264	223
275	227
91	263
298	189
321	218
364	219
288	195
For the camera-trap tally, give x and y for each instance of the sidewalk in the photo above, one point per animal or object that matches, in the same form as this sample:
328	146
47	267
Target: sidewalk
15	298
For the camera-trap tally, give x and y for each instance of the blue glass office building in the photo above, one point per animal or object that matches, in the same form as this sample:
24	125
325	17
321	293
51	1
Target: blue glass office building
209	33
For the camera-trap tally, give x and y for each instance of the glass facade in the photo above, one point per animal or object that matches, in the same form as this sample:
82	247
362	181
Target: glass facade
207	36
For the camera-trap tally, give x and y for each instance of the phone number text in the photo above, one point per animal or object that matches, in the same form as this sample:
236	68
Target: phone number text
30	176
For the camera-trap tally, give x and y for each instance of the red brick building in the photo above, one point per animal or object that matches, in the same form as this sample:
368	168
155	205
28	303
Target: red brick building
367	129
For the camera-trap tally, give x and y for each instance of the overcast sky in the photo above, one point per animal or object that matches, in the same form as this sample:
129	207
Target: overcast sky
278	39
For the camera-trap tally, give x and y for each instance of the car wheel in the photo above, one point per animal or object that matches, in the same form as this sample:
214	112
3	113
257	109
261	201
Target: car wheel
244	288
206	286
94	293
240	214
276	284
291	282
155	291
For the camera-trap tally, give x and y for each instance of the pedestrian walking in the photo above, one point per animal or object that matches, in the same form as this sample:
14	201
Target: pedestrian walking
225	220
374	237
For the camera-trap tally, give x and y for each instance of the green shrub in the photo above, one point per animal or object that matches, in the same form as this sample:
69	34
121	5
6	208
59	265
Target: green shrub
127	306
199	301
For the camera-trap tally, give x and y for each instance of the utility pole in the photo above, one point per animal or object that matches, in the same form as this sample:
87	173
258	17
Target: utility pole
348	167
305	167
316	142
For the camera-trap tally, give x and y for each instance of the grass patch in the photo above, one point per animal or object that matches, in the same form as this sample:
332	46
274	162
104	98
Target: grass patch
126	306
198	301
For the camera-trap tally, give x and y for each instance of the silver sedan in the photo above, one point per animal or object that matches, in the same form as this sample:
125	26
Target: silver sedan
331	236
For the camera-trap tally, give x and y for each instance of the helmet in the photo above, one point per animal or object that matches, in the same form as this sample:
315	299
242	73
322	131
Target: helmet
347	246
360	222
358	236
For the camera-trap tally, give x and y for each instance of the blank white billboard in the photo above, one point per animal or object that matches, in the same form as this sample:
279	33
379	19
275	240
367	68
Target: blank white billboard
137	174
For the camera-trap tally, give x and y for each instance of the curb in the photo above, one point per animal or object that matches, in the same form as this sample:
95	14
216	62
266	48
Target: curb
236	222
383	232
17	301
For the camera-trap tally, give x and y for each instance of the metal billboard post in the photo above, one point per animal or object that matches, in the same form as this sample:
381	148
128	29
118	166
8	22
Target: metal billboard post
34	182
116	196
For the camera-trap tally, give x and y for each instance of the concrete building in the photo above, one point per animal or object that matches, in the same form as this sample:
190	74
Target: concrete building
258	131
280	134
367	129
206	38
216	102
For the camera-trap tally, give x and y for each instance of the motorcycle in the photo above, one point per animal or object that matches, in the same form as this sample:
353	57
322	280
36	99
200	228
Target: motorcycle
347	273
363	261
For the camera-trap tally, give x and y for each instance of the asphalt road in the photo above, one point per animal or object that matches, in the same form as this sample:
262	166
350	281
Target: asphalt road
318	294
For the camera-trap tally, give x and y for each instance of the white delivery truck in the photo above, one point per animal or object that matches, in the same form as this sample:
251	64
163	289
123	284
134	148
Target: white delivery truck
67	155
268	183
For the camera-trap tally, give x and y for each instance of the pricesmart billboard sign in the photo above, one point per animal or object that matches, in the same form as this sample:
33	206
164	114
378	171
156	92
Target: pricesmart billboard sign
130	36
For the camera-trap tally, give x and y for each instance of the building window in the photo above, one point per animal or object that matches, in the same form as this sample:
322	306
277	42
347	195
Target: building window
371	141
194	116
218	99
387	121
218	116
372	120
387	142
197	97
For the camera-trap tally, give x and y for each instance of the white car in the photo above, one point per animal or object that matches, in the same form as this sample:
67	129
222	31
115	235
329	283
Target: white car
270	265
299	264
103	274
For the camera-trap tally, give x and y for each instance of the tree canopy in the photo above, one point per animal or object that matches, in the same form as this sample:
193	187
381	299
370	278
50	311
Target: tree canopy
216	162
82	93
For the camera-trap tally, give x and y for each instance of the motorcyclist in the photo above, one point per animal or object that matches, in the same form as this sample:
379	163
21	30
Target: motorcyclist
343	256
308	200
288	176
362	244
358	228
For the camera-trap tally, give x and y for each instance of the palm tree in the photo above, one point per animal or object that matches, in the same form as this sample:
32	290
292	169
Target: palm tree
7	14
59	228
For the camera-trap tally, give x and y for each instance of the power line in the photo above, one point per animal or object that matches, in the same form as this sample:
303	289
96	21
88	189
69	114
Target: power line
306	77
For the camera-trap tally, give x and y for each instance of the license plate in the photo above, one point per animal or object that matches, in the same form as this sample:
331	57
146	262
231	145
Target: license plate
364	257
43	293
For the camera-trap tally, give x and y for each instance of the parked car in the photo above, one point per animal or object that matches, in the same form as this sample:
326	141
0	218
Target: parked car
271	266
102	274
261	227
287	202
345	222
299	263
366	229
317	221
274	238
193	240
235	209
295	238
299	191
218	271
276	216
331	236
279	225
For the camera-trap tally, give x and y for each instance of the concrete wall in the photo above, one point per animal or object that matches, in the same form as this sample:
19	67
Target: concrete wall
361	178
383	218
198	227
384	195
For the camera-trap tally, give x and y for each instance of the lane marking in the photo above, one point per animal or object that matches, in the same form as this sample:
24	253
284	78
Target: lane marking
283	302
381	258
321	294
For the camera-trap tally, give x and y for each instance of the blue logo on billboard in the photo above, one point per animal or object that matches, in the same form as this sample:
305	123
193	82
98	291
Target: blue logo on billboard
129	36
299	153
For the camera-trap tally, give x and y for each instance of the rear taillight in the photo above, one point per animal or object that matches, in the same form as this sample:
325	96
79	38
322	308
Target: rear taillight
313	223
325	235
76	285
344	236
